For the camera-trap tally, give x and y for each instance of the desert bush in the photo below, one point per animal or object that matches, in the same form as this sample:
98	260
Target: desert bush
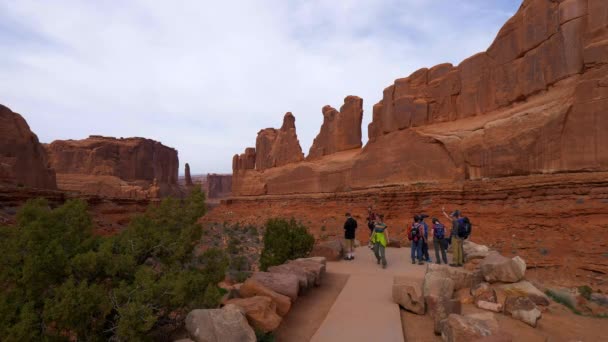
58	281
284	240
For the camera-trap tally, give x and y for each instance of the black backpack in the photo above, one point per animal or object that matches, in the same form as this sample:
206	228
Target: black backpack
464	227
415	232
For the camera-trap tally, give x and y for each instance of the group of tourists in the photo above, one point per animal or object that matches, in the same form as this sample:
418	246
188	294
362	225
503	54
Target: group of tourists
417	234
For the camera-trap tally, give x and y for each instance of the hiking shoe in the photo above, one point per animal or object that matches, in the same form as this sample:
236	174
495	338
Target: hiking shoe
384	266
453	265
420	263
378	260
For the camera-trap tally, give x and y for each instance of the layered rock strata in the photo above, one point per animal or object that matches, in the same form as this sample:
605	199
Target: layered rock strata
531	104
23	160
125	167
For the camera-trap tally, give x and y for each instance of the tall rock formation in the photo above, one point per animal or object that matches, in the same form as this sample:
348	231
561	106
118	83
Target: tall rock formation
278	147
23	160
341	130
188	177
533	103
125	167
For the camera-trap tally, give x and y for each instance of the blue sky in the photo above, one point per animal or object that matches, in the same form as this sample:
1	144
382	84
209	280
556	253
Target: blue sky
205	76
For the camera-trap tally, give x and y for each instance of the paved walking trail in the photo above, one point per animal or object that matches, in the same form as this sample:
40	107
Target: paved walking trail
364	310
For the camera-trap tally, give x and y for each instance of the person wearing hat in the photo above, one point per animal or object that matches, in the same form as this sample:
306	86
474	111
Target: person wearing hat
457	241
439	240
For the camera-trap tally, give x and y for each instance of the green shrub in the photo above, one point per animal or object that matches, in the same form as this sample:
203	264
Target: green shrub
284	240
58	281
264	337
585	291
563	299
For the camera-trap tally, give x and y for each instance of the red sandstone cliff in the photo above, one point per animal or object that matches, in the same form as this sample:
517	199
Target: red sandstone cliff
218	186
531	104
23	161
341	130
126	167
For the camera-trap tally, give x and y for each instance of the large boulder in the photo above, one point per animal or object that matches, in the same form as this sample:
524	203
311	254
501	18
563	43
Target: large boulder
252	288
474	251
306	278
438	291
283	283
317	259
524	288
523	309
497	268
330	250
228	324
316	268
261	312
408	293
462	278
457	328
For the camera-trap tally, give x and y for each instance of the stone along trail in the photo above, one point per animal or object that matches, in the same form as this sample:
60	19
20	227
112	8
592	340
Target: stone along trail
365	310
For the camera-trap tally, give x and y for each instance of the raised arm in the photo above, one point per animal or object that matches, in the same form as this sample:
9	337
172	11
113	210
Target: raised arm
445	214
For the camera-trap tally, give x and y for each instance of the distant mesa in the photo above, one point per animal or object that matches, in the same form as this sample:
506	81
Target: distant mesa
110	167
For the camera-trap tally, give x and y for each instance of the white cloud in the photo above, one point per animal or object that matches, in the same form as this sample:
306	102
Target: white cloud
204	76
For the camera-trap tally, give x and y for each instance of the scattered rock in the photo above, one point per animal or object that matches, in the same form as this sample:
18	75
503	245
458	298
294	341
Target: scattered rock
483	292
464	296
523	309
474	251
490	306
461	277
252	288
497	268
407	292
219	325
283	283
525	288
261	312
457	328
599	298
330	250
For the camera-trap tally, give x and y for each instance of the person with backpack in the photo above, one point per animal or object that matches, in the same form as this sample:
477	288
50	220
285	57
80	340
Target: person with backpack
350	226
380	240
416	236
371	223
461	230
425	244
439	241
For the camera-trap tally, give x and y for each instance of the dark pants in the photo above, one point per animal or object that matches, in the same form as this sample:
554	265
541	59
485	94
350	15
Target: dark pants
417	250
440	244
425	251
380	253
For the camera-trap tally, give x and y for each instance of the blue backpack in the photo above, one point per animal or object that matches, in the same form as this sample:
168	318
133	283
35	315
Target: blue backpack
439	231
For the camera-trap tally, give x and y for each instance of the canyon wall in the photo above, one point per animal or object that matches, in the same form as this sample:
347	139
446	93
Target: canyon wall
533	103
23	160
106	166
218	186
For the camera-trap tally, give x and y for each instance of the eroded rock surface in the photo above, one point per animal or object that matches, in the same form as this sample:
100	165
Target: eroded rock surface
23	160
